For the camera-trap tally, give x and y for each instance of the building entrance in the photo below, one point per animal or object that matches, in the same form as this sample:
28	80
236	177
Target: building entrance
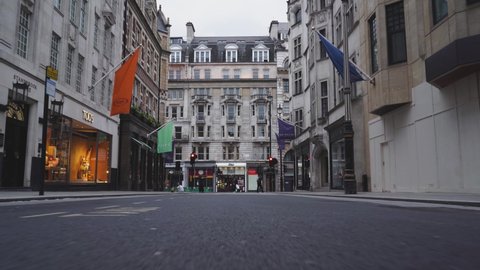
15	145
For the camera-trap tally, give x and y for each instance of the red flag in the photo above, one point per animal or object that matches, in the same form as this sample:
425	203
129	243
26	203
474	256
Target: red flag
123	86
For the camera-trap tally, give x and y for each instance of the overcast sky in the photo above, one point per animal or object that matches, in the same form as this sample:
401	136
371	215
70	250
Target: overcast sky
223	17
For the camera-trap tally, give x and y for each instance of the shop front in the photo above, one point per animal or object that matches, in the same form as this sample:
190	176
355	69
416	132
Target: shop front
201	175
77	153
229	175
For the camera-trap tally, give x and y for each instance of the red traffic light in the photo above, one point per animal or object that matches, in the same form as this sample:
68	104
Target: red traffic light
272	161
193	157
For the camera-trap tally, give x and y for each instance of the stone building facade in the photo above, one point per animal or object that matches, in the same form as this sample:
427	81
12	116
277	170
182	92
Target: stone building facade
222	98
79	39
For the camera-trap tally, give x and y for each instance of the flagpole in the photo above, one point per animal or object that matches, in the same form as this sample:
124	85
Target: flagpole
113	69
155	130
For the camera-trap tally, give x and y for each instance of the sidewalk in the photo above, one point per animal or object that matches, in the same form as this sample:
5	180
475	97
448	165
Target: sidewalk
462	199
14	195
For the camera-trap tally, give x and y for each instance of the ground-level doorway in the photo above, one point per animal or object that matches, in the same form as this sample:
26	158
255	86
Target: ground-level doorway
15	145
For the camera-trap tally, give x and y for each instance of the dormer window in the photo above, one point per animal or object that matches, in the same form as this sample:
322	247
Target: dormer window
260	54
231	53
202	54
176	55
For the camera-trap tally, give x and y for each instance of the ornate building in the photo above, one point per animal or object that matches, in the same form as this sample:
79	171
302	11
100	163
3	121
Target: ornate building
222	98
141	168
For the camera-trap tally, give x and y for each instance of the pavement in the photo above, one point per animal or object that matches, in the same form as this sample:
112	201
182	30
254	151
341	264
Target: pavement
461	199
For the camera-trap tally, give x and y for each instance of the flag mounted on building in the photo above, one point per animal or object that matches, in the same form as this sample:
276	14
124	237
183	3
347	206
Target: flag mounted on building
164	138
123	86
286	131
280	142
356	74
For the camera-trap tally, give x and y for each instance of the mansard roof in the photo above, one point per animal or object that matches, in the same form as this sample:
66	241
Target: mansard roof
218	46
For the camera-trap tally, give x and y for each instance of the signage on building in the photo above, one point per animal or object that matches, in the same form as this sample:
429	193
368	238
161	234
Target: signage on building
52	73
18	79
87	116
51	86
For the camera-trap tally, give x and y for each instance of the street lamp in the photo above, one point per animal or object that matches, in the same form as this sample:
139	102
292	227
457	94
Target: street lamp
349	181
272	170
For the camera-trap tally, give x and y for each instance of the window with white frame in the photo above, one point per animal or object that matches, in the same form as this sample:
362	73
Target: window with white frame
94	79
255	73
175	94
95	31
78	85
102	91
203	152
83	16
109	94
324	98
321	51
178	132
23	32
231	152
73	11
207	74
202	54
262	131
298	118
196	74
178	153
298	82
236	73
68	66
266	73
262	111
231	53
297	47
260	53
231	131
176	54
226	74
338	27
230	111
201	131
350	16
54	51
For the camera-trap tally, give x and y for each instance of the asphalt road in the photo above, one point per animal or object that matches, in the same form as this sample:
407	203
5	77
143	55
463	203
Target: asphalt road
235	231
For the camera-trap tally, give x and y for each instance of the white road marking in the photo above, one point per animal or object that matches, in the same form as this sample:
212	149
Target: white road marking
72	215
106	207
44	215
138	203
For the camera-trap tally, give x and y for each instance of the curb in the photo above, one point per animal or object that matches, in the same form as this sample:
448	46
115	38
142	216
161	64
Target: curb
416	200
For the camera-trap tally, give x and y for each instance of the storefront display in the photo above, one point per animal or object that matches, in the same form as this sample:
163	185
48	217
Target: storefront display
76	153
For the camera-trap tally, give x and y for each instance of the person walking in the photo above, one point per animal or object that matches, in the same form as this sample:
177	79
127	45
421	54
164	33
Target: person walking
259	184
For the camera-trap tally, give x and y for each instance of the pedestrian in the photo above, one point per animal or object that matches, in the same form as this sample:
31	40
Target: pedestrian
259	184
201	185
237	188
180	188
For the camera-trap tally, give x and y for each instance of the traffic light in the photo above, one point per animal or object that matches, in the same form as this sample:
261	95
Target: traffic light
193	157
272	161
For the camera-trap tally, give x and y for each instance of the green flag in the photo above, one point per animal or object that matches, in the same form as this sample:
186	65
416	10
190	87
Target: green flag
164	139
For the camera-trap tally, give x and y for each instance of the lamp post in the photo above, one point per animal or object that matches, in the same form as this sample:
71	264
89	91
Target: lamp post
272	170
349	181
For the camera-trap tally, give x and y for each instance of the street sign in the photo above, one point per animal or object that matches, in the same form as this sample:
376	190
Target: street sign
51	86
52	73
